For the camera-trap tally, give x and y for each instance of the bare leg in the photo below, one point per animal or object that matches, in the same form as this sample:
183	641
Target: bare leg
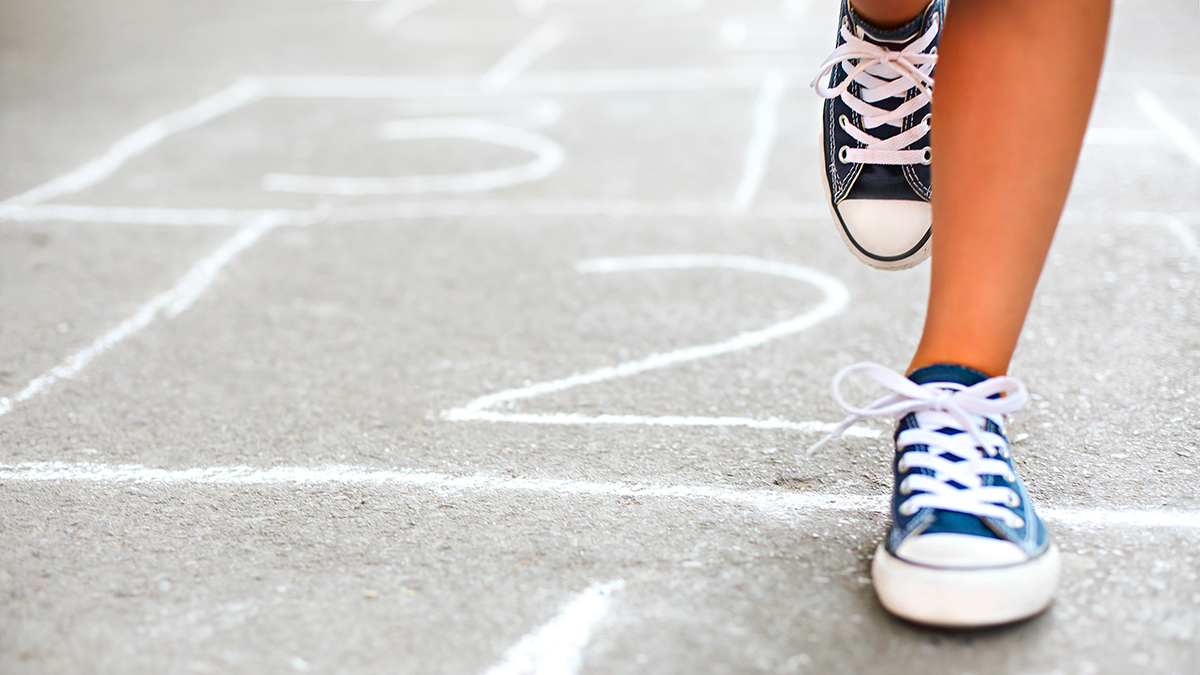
1015	85
888	13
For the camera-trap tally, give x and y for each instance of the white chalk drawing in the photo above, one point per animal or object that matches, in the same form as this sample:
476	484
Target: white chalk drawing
758	151
548	157
1181	137
786	506
170	303
461	109
524	53
557	647
836	297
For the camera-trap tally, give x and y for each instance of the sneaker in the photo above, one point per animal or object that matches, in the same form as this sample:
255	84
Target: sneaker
875	136
965	547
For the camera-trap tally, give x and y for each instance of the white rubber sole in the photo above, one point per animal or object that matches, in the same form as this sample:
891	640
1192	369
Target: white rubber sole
965	598
920	256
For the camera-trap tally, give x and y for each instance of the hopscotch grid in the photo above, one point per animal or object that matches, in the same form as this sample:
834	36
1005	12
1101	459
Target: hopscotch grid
557	645
248	90
238	95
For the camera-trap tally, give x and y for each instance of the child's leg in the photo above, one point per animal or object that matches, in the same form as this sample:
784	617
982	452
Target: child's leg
1015	84
1014	87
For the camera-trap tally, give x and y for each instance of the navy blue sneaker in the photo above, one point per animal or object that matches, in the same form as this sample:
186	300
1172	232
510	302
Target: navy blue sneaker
965	547
875	136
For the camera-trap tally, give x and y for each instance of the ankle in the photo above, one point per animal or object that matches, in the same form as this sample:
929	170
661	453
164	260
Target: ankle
888	14
984	366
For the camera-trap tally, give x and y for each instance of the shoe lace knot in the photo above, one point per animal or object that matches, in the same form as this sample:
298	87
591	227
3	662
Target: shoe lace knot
881	74
950	424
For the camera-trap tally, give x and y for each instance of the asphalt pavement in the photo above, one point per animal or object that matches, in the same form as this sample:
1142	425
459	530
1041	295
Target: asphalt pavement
483	337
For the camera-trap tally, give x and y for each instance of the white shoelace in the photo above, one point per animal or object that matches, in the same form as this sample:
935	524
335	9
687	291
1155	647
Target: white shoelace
882	74
963	459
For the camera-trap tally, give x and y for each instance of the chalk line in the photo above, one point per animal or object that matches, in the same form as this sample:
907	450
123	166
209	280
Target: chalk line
491	208
601	81
557	647
172	302
235	96
396	11
524	53
133	215
775	503
470	208
762	138
548	156
1179	133
542	82
611	208
835	301
565	419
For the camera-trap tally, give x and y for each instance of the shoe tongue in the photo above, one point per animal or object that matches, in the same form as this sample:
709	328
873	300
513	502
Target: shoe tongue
959	523
947	372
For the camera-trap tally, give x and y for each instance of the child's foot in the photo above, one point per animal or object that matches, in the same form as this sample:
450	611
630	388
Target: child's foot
965	547
875	136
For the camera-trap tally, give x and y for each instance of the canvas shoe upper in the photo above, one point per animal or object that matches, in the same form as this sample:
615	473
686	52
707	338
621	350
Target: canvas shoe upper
965	546
875	149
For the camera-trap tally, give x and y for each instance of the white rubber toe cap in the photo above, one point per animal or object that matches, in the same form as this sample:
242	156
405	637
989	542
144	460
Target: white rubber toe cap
959	551
886	228
965	597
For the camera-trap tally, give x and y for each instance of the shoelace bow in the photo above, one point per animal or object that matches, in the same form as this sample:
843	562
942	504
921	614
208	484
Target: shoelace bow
976	451
882	73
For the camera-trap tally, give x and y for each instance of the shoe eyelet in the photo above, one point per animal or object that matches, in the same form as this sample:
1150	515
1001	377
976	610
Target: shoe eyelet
1012	501
1017	522
905	489
927	121
844	154
902	465
927	157
906	510
933	50
843	121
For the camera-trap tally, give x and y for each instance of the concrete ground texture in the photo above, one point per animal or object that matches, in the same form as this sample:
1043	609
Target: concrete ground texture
482	337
